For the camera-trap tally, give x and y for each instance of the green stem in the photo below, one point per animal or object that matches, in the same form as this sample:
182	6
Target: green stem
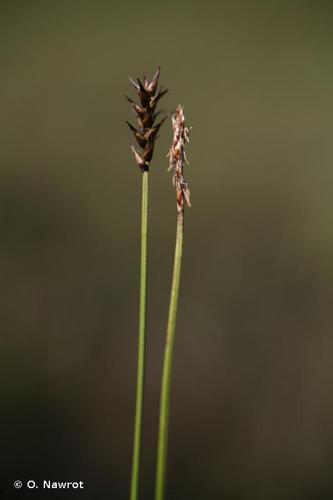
162	453
142	344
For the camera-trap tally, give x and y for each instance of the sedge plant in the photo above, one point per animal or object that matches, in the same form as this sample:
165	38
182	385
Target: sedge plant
177	158
145	136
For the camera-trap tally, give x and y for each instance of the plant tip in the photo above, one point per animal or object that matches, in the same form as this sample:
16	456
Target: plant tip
145	113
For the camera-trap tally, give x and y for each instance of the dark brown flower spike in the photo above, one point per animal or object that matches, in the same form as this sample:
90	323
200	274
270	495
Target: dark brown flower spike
146	134
177	158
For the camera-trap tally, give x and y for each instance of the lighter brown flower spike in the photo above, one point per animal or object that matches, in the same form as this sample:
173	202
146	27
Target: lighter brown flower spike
177	158
145	113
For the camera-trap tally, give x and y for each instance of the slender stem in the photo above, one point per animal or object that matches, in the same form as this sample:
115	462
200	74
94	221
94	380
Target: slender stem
162	453
142	344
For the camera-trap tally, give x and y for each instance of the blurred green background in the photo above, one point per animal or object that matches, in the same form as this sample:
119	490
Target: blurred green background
252	412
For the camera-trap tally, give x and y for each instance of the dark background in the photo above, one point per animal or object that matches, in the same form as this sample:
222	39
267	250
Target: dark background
252	412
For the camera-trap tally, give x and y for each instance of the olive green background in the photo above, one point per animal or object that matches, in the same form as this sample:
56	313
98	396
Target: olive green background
252	412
